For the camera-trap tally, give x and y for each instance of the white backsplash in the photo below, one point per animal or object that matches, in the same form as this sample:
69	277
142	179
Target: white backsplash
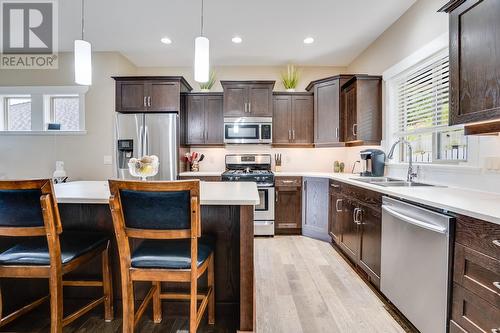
293	159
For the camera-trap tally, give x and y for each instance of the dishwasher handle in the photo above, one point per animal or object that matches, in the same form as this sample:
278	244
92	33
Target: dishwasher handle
411	220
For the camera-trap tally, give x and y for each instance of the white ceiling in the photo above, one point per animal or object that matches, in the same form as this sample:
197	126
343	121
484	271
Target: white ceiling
272	30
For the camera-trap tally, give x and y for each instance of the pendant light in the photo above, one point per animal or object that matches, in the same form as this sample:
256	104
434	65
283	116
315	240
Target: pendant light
201	55
83	57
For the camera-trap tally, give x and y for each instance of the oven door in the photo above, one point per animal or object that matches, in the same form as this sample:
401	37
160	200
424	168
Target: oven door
264	211
241	133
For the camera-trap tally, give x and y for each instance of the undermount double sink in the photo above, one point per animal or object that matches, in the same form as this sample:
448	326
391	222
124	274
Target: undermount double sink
389	182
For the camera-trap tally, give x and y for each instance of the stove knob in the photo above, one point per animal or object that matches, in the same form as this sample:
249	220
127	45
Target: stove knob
231	178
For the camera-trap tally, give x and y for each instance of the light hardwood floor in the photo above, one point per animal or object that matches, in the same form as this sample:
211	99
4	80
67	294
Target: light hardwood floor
304	285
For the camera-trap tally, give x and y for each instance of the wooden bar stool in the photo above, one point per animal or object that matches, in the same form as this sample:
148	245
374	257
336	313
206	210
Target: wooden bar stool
28	209
167	216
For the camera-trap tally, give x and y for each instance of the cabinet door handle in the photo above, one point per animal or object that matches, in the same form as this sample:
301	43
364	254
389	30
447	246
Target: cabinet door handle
293	134
289	135
249	107
337	203
359	216
354	215
149	101
495	330
145	101
497	284
337	132
496	242
276	199
334	185
354	129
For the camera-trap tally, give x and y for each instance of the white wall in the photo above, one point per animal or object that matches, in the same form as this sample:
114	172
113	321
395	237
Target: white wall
27	156
418	27
306	74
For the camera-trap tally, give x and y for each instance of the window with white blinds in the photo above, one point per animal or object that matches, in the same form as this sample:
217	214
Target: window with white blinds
423	99
422	113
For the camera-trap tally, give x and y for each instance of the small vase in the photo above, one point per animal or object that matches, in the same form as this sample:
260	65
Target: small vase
195	167
290	90
205	90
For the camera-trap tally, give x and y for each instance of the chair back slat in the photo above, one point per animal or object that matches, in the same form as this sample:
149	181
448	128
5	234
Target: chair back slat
155	210
21	210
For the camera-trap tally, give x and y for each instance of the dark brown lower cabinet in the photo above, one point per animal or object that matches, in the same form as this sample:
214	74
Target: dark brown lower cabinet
472	313
335	213
288	206
476	277
355	226
371	242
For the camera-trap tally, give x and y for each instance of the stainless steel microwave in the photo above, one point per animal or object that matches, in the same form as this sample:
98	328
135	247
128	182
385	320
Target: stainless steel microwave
248	130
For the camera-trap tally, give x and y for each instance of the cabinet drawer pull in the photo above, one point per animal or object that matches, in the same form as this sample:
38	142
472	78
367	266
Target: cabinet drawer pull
496	284
337	209
496	242
288	181
145	103
334	185
149	101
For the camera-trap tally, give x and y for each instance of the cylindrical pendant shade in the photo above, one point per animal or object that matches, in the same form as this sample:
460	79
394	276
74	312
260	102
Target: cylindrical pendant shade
201	59
83	62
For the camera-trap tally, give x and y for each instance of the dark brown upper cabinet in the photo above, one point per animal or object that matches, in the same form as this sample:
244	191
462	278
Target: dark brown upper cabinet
248	98
293	115
474	63
361	100
149	93
328	118
205	119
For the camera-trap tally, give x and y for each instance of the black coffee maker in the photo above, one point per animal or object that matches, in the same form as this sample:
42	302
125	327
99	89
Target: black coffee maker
373	162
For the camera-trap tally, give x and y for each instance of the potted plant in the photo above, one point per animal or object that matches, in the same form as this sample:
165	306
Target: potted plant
206	86
290	78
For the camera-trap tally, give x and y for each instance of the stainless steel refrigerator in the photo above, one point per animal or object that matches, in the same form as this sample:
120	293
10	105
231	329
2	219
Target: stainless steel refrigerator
139	134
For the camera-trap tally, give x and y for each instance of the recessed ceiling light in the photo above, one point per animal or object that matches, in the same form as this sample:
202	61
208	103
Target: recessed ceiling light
308	40
166	40
236	40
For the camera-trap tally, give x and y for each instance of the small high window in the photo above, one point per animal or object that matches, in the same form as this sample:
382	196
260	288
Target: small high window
17	115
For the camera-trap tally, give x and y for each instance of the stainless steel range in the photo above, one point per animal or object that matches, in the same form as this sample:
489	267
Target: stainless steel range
255	168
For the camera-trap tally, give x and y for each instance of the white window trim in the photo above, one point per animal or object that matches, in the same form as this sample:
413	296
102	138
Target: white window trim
428	53
39	107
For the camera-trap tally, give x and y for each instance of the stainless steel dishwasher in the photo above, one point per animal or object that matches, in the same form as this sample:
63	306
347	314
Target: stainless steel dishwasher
415	263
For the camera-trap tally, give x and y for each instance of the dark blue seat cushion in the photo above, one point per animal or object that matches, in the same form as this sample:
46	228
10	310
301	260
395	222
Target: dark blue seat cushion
170	253
36	252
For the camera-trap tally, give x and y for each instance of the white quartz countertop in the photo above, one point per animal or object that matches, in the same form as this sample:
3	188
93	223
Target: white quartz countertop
481	205
211	193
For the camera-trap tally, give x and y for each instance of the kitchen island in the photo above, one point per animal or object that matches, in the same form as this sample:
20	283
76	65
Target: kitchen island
227	211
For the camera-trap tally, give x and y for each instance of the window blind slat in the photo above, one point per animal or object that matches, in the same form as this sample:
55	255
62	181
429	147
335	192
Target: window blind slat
423	98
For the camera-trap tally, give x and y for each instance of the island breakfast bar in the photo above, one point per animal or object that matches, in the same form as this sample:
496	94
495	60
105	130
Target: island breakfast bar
227	215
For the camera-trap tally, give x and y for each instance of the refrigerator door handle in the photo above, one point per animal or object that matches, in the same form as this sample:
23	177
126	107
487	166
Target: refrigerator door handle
146	140
141	140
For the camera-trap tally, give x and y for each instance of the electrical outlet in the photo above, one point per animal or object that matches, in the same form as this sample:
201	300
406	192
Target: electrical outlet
108	160
492	163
